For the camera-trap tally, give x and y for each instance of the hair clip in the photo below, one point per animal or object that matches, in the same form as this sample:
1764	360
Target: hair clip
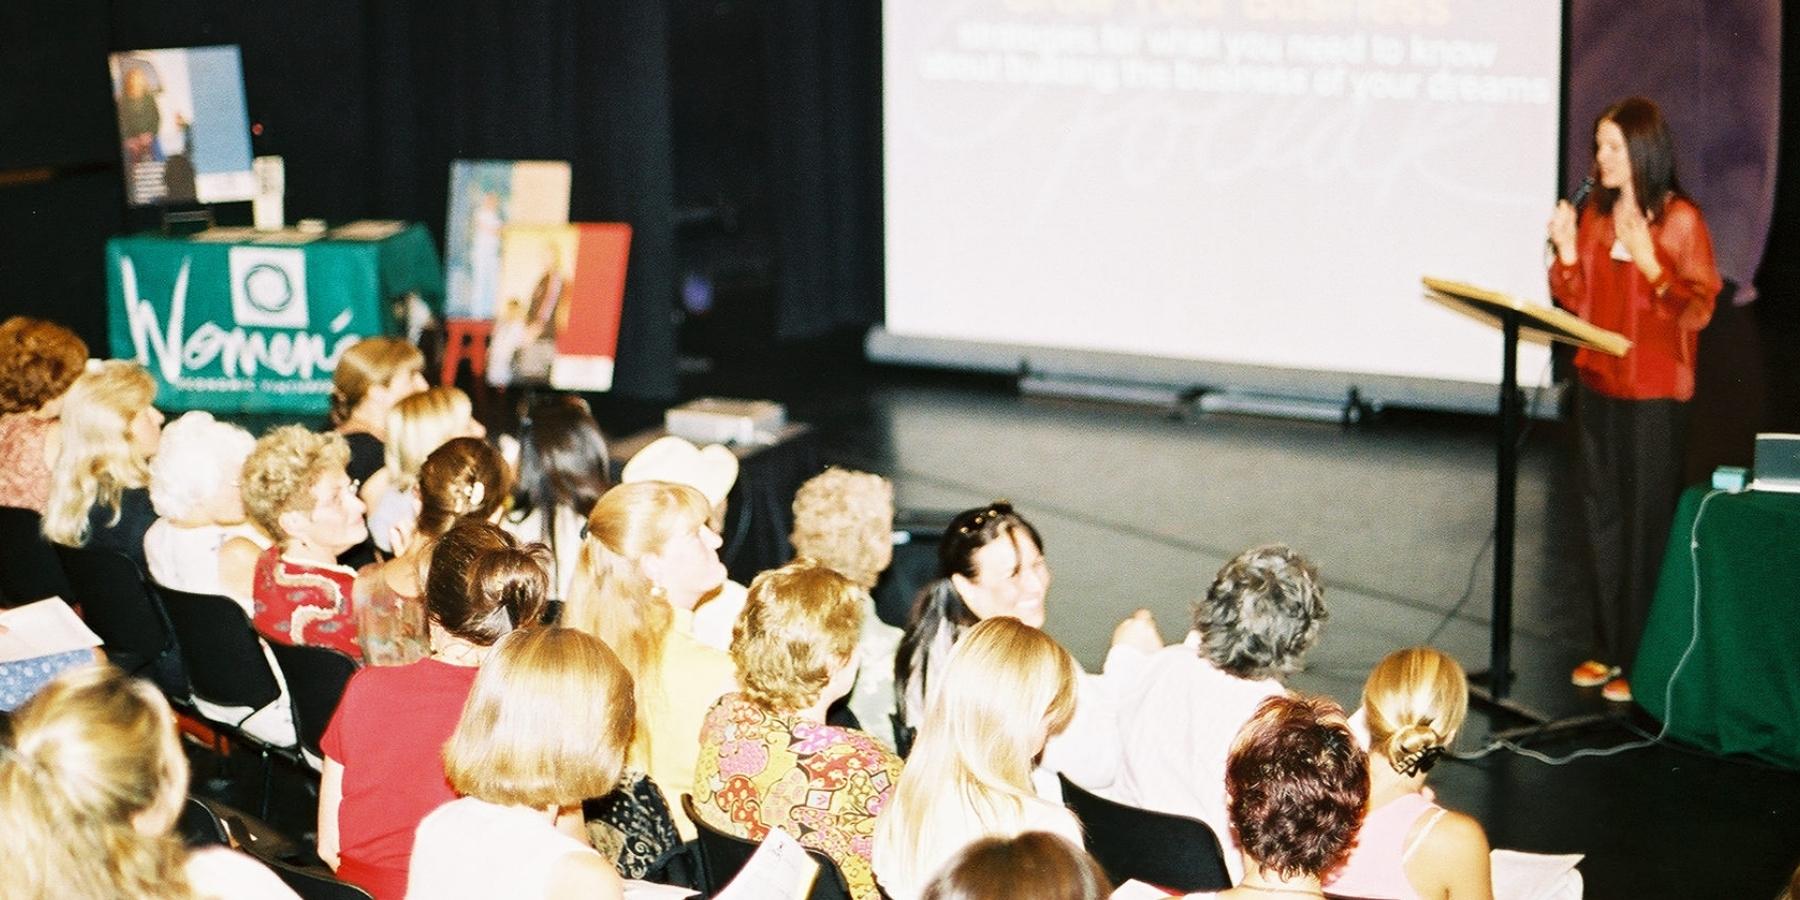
1419	762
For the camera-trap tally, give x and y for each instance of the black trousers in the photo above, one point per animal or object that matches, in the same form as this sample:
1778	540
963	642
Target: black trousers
1631	459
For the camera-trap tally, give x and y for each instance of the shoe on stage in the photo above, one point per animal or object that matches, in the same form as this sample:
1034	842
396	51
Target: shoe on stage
1593	673
1617	690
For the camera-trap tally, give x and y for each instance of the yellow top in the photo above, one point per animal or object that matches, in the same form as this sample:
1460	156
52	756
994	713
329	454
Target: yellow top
694	676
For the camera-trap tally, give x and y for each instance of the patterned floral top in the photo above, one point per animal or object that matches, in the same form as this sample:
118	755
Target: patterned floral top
822	784
24	477
304	603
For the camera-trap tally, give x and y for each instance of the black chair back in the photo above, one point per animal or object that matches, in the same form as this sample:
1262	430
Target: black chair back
315	679
723	855
29	570
224	657
200	826
314	884
1169	851
121	607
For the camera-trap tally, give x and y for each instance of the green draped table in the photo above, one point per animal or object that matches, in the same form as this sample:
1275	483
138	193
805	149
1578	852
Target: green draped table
1739	690
258	327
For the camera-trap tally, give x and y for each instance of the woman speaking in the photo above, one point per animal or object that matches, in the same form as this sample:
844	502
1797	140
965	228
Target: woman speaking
1636	259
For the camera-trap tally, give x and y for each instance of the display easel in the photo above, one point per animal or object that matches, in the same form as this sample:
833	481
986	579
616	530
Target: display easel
1514	317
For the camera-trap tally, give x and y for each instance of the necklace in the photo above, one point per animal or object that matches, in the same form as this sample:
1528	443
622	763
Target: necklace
1310	892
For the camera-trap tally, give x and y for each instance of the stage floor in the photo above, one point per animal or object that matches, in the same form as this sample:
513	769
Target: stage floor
1138	509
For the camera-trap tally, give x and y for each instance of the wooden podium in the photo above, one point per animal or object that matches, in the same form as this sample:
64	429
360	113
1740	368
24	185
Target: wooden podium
1514	317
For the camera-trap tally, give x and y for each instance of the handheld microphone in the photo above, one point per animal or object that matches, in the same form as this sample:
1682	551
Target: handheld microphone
1581	192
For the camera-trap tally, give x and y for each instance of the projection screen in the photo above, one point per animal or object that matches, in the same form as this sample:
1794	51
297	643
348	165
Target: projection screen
1217	191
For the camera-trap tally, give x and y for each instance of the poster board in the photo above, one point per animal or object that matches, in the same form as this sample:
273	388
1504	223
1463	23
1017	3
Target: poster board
561	293
485	197
184	128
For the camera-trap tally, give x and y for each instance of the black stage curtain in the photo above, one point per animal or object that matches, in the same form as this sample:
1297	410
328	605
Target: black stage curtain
824	89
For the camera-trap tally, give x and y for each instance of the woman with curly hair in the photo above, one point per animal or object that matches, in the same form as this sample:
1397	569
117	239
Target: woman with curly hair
1297	784
767	758
844	519
42	360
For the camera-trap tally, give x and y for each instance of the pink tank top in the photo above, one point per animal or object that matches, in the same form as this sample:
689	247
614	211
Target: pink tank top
1377	864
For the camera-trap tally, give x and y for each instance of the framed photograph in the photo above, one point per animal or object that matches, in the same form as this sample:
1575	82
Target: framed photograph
184	130
485	197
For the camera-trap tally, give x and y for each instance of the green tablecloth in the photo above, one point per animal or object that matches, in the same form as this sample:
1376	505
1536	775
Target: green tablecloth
1739	692
257	328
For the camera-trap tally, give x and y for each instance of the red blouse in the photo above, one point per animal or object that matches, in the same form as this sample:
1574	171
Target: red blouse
304	603
1663	320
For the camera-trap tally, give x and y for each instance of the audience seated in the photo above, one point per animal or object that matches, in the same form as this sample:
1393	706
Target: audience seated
1410	847
547	723
1004	690
465	478
711	470
563	470
990	563
194	486
417	425
296	491
1035	864
649	558
99	486
92	782
369	379
1174	715
845	520
382	771
42	360
767	758
1298	784
194	482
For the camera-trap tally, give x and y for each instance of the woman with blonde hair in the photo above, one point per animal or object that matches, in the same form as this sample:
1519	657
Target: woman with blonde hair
1006	688
92	782
648	559
42	360
1410	848
767	758
417	425
547	724
99	487
371	376
845	520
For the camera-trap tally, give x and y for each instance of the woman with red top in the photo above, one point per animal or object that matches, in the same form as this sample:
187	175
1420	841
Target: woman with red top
1635	259
384	766
295	490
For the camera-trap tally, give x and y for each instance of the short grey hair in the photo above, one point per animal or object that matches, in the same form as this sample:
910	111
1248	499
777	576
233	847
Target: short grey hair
1261	614
198	455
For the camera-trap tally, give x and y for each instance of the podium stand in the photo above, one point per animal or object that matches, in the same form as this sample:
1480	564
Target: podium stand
1513	317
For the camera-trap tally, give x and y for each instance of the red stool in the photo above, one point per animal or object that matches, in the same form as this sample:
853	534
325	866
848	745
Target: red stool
466	339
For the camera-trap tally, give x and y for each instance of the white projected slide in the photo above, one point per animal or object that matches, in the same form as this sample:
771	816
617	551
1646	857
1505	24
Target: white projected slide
1256	182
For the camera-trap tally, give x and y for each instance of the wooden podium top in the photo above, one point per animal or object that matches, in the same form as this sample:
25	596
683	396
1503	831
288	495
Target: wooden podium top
1546	321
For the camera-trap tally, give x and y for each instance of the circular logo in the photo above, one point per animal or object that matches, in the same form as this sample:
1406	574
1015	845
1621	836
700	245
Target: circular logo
267	288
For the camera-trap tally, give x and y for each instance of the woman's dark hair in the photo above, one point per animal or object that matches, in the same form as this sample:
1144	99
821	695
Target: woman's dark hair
1297	783
482	583
1035	864
562	462
938	606
1651	149
466	477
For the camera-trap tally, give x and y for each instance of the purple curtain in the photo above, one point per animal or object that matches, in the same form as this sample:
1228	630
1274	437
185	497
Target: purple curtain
1714	66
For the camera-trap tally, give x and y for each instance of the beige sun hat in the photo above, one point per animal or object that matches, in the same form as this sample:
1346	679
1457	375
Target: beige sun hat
711	469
